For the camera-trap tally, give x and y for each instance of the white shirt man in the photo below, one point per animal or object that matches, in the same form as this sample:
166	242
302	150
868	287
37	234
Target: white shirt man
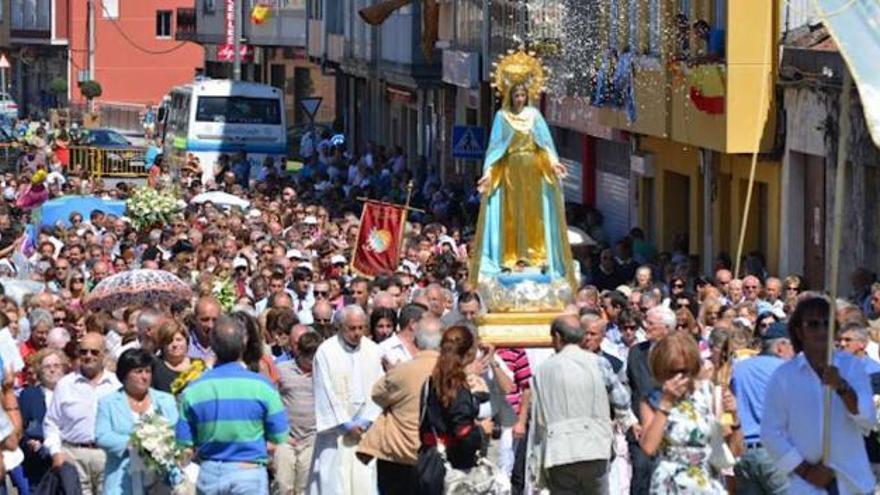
70	418
346	367
793	411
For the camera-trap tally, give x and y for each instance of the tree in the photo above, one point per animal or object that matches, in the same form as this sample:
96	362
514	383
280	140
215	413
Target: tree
90	90
58	88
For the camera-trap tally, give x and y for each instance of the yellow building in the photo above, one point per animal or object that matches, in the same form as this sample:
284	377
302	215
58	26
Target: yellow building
702	75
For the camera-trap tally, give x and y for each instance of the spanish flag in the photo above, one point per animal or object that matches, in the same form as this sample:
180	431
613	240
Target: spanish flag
707	88
261	13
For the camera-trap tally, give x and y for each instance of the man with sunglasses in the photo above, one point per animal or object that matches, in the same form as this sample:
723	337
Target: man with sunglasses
70	417
793	413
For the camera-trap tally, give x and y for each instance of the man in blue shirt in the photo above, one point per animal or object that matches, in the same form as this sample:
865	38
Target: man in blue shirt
755	471
242	170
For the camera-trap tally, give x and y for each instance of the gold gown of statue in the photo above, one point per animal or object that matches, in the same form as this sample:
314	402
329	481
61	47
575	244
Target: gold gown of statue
522	172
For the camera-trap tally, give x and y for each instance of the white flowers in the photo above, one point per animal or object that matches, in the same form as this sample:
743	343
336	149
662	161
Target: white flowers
148	207
153	436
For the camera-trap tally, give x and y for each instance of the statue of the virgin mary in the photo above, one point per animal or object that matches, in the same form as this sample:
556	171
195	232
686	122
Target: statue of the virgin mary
522	252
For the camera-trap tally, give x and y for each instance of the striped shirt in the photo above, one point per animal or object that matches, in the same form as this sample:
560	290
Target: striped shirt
229	413
518	362
298	395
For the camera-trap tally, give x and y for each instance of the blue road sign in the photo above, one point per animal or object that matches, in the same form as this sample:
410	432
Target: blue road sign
468	142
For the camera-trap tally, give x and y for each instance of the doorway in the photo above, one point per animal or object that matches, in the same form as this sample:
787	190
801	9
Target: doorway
814	221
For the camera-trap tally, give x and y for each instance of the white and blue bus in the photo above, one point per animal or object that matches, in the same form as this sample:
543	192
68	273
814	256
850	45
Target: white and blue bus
211	117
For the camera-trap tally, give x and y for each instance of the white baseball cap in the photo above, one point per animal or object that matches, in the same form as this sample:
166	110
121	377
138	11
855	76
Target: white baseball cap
338	259
310	220
239	262
295	254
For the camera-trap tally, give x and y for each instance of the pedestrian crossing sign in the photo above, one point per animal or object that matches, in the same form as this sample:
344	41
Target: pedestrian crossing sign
468	142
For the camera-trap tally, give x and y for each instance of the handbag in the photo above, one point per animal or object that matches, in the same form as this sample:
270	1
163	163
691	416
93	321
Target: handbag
434	471
720	455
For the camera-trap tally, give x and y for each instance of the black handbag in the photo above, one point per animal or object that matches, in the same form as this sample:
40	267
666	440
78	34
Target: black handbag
430	465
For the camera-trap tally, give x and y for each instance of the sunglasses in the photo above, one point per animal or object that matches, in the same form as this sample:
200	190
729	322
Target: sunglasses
630	328
322	293
678	286
89	352
815	324
322	320
793	289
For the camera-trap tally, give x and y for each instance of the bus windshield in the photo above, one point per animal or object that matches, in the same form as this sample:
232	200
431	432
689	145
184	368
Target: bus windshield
238	110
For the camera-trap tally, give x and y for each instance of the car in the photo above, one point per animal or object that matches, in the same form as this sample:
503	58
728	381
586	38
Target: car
9	150
105	138
8	107
120	155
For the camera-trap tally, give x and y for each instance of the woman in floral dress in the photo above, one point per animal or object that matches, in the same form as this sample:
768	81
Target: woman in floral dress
679	421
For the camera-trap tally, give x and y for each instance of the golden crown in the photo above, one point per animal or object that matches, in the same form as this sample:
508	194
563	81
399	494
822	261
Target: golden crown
518	67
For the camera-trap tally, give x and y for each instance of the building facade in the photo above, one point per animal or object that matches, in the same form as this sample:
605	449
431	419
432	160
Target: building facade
691	84
276	51
812	106
133	41
39	52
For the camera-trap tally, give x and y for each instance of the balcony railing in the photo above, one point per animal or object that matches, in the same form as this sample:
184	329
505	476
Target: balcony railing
187	24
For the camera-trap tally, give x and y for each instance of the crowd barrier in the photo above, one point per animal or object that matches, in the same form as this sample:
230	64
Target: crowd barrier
108	162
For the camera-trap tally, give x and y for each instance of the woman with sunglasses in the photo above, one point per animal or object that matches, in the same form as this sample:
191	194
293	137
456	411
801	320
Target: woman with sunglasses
76	284
680	423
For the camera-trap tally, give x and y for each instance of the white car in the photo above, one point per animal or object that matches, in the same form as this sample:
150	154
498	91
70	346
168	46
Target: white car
8	107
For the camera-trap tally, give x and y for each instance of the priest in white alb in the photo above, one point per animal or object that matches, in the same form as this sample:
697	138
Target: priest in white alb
346	367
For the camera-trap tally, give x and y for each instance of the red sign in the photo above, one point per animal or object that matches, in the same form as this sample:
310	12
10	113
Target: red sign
230	22
378	242
226	53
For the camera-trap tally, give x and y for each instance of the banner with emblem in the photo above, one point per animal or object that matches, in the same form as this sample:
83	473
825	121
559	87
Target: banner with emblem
377	249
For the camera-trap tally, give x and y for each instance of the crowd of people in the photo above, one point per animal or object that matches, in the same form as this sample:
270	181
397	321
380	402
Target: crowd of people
303	377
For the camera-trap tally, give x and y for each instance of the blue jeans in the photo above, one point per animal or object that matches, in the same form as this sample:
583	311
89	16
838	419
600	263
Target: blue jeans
230	478
757	475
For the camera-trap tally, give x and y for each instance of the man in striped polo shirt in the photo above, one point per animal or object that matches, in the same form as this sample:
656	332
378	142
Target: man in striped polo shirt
228	416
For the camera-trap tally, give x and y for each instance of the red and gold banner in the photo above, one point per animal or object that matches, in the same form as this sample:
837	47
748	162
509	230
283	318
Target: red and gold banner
378	242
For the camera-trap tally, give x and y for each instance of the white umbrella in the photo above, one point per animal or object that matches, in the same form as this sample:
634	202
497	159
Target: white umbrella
17	289
577	237
221	198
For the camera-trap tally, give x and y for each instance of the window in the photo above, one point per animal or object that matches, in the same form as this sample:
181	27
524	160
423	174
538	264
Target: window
238	110
292	4
209	6
163	23
109	9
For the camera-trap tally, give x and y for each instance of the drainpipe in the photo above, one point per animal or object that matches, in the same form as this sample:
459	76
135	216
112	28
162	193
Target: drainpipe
707	169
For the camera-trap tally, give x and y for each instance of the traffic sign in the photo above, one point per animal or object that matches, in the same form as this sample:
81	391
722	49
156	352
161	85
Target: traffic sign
4	62
468	142
310	106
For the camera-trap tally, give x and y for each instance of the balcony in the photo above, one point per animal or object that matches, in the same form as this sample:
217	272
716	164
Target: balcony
316	38
713	100
187	24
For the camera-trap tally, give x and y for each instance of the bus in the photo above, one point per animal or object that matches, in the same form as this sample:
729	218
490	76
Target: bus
211	117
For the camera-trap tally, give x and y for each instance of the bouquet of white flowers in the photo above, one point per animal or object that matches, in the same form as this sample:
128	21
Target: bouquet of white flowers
153	438
148	207
224	292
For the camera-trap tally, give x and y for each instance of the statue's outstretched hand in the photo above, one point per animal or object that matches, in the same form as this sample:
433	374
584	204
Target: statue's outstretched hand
483	184
560	170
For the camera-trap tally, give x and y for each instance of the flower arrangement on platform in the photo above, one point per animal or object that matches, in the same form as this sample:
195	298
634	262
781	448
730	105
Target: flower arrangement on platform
224	292
195	370
153	437
149	207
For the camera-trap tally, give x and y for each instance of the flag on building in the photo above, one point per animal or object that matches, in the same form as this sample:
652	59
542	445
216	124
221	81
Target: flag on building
377	249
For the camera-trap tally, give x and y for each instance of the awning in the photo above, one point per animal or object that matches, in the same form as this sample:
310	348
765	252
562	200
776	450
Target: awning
855	26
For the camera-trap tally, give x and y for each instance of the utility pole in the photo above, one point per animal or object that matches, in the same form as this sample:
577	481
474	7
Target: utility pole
236	44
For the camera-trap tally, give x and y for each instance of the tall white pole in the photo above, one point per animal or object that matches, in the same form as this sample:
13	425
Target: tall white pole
236	44
91	45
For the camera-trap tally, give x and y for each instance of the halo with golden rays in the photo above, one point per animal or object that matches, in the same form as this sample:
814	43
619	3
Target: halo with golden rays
519	67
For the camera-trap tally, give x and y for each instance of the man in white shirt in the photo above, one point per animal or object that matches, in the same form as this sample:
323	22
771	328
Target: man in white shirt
346	367
70	419
401	347
793	412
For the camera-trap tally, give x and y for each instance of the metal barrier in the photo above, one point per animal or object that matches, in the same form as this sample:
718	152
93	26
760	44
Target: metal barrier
9	153
107	162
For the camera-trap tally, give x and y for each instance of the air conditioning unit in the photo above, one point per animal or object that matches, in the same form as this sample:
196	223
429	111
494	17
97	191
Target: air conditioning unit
642	164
